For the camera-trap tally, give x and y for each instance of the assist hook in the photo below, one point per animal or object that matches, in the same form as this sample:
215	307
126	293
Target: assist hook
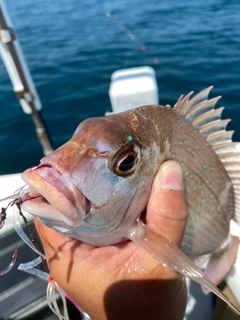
14	258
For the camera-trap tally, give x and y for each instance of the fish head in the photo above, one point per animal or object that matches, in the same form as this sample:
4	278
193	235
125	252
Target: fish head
96	185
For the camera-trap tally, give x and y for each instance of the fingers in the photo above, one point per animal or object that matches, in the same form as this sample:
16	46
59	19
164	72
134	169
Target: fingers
166	210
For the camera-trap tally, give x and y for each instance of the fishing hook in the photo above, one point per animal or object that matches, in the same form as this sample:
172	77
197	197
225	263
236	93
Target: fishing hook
3	214
14	258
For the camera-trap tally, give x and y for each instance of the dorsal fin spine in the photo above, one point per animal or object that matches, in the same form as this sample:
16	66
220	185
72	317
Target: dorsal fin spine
201	113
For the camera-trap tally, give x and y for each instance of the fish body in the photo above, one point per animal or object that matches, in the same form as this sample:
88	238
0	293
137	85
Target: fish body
97	184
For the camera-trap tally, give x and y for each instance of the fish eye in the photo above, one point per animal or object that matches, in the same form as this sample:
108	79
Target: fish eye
125	160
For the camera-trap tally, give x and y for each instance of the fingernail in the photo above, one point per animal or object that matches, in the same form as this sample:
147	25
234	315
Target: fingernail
170	176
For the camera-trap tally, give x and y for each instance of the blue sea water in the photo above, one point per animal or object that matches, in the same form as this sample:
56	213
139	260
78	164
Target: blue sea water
72	48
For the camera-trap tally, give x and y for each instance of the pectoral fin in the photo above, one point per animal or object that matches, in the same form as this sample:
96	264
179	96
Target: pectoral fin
172	258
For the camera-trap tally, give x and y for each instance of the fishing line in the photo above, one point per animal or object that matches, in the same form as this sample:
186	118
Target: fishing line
29	267
18	203
32	242
131	36
52	289
23	235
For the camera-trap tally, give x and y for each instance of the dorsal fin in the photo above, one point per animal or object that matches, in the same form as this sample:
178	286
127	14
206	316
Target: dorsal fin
201	113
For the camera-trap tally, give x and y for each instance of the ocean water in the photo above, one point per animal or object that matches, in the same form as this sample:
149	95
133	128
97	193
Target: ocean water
72	48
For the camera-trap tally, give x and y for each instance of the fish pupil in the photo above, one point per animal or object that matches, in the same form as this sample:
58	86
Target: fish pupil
125	160
127	163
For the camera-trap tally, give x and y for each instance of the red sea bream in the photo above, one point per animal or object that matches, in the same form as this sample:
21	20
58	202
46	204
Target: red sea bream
94	187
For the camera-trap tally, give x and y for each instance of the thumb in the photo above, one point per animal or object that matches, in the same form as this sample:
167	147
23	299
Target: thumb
167	210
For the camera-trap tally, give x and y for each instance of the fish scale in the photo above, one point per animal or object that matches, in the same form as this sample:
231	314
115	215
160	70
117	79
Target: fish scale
195	154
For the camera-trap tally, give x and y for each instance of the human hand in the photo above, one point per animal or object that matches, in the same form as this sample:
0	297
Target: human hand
123	281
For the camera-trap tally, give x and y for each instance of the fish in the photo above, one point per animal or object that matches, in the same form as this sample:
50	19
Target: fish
95	186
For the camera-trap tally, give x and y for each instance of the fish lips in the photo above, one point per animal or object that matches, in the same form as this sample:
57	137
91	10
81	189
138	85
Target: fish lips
60	199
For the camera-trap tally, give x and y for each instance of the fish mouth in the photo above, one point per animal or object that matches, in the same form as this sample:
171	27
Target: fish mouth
53	196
